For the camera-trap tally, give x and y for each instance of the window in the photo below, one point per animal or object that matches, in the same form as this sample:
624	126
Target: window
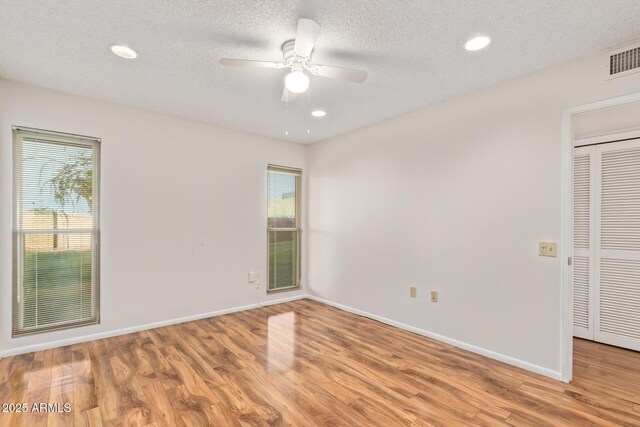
283	222
56	231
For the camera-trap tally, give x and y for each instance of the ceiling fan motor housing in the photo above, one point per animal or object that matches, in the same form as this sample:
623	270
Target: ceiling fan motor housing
289	55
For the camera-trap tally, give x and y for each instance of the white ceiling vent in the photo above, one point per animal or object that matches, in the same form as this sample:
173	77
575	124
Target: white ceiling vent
624	61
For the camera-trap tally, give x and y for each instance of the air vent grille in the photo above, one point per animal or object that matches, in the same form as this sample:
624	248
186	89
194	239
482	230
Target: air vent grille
621	62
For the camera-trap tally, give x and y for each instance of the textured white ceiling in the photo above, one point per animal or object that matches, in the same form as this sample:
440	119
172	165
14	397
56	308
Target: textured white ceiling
411	49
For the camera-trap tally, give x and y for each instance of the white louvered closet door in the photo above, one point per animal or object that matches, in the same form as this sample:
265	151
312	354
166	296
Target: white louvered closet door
617	244
584	172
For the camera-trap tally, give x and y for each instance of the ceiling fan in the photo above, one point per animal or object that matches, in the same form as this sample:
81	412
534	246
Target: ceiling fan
296	55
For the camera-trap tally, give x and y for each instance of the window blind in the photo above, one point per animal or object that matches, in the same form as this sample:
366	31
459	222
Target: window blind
56	231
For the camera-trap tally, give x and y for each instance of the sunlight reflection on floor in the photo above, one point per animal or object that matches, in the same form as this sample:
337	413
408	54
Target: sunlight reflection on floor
281	341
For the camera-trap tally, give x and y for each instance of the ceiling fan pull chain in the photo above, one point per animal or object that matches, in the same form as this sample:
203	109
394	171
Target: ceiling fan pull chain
308	109
286	113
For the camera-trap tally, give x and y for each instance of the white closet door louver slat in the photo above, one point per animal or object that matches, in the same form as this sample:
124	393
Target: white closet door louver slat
583	219
617	277
620	200
581	292
581	200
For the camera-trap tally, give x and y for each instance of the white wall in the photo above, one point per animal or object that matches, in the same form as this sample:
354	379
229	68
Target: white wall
455	198
183	209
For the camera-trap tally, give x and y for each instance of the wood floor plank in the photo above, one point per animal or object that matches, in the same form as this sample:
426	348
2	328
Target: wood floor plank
191	381
304	402
220	415
306	363
62	386
107	392
376	415
88	418
38	380
164	411
489	420
237	402
85	399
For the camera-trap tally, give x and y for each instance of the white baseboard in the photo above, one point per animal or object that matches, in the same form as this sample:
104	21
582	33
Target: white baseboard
556	375
114	333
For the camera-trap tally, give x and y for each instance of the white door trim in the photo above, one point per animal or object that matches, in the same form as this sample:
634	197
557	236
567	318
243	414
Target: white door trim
566	245
609	137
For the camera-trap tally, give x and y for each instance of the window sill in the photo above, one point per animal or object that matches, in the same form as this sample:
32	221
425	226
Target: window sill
279	290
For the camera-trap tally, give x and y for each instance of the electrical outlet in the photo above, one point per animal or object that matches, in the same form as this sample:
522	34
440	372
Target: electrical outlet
549	249
412	291
434	296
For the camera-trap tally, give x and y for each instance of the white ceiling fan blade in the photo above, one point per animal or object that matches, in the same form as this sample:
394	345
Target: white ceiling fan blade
306	36
339	73
250	63
287	95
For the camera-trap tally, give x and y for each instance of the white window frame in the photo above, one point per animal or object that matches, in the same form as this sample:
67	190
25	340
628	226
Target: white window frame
20	133
297	228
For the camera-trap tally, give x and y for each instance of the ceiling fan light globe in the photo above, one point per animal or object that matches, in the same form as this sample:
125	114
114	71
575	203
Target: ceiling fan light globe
297	82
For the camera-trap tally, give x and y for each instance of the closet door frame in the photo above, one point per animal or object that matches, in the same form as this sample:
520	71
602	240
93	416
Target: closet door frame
566	243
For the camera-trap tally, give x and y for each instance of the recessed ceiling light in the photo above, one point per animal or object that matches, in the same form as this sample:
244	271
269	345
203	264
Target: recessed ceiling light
318	113
123	51
477	43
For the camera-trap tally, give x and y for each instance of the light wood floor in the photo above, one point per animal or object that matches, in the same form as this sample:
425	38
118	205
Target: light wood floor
303	364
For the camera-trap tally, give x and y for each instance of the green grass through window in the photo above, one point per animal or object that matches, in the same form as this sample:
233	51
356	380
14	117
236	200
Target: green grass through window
56	287
282	259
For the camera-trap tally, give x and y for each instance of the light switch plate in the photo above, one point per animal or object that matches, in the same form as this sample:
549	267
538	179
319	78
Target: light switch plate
548	249
434	296
252	276
412	291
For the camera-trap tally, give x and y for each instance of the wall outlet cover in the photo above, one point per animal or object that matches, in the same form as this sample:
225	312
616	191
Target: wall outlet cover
412	291
549	249
434	296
